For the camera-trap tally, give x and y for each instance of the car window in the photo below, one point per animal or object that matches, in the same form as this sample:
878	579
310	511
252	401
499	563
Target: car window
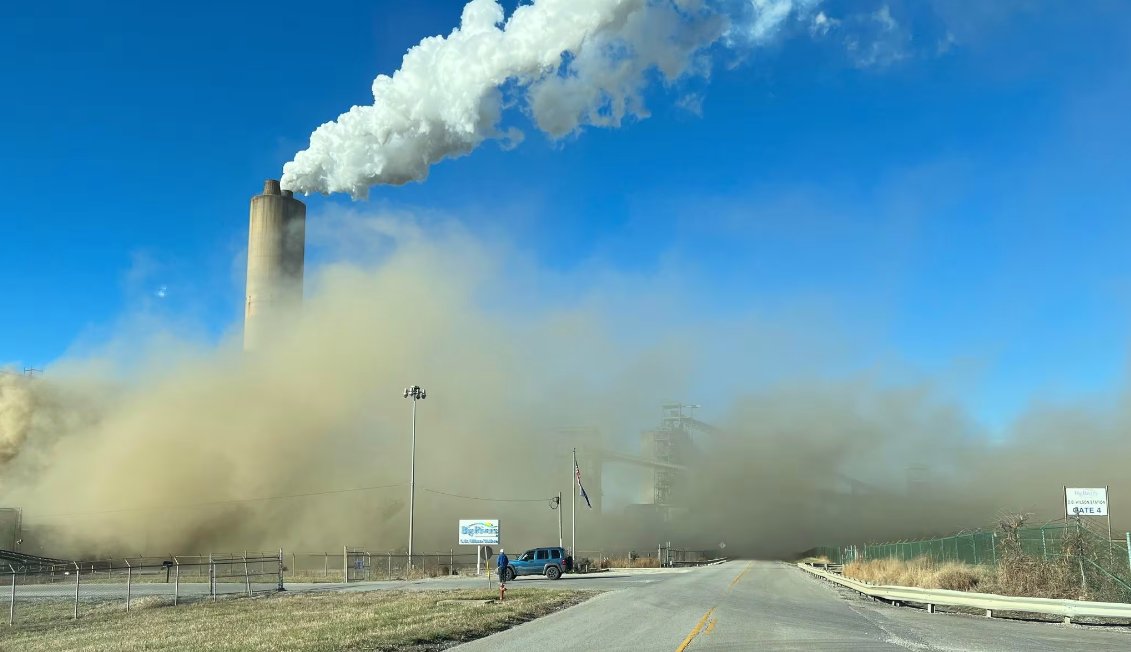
528	555
555	554
542	554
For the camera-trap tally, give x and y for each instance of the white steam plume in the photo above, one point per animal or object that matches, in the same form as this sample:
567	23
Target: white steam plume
580	62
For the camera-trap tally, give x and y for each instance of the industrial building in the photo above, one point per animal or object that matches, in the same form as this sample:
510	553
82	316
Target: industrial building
276	246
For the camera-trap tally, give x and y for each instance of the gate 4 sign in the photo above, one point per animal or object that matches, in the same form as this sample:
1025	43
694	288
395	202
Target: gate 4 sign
479	532
1085	502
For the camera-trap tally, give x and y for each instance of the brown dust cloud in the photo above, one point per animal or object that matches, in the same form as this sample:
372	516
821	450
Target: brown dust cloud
304	444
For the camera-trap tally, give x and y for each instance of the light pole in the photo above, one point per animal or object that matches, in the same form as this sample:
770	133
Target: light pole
416	393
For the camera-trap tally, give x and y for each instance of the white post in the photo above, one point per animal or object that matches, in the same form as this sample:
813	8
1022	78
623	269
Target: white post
478	558
78	574
1110	548
573	506
561	542
246	575
12	605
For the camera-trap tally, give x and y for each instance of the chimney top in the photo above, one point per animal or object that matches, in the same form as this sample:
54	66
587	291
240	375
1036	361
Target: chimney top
271	187
288	193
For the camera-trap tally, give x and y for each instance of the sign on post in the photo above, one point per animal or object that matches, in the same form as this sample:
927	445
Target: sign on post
479	532
1080	501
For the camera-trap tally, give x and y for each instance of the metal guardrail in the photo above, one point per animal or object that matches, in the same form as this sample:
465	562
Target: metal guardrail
989	602
701	562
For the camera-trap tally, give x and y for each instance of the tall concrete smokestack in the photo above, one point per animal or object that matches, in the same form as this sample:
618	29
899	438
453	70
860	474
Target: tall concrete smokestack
276	246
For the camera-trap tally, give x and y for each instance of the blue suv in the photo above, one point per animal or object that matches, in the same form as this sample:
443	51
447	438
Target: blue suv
550	562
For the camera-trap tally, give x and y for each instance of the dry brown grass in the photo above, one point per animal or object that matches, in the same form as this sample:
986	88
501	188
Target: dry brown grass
1021	574
378	575
921	572
822	559
625	562
1068	575
379	620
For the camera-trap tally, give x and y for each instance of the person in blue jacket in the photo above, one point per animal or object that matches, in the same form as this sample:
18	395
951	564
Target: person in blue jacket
502	562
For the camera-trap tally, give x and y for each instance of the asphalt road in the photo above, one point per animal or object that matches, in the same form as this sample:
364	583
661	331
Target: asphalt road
732	606
608	581
773	606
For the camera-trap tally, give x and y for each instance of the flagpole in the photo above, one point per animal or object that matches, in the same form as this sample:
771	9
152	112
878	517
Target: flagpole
573	506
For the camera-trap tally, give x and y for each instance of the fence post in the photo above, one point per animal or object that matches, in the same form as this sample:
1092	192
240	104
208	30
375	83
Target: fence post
246	576
993	546
346	564
1129	550
326	564
974	546
451	561
390	574
129	583
78	575
1044	545
294	563
110	570
176	581
12	605
211	576
281	568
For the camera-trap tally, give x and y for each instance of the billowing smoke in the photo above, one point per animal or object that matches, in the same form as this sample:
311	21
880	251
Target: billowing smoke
573	62
305	444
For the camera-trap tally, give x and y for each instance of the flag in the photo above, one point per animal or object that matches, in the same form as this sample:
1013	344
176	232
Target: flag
577	472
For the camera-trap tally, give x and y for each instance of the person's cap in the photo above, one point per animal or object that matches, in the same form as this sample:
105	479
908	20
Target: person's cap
501	550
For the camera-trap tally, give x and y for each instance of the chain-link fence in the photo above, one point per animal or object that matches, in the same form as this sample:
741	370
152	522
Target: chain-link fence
32	594
359	565
1101	564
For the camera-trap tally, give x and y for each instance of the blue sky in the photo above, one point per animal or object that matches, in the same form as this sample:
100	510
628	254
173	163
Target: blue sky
958	209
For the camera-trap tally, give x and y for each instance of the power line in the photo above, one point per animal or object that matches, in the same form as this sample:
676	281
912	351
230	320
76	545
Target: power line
489	500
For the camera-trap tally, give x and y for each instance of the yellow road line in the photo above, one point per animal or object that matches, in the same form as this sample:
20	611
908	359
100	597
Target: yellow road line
694	632
710	626
706	619
738	577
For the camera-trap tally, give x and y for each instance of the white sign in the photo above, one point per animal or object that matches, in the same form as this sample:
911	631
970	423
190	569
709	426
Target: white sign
1085	502
479	532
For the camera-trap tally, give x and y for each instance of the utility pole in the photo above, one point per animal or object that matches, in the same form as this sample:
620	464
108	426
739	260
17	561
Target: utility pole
573	506
561	543
416	393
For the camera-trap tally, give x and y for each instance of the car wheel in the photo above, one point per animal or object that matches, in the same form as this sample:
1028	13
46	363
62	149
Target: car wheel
553	572
508	574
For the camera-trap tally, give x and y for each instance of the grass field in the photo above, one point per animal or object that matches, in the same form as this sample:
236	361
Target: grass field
379	620
922	572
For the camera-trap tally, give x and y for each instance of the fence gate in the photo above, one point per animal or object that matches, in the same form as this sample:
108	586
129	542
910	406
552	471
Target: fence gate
358	565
